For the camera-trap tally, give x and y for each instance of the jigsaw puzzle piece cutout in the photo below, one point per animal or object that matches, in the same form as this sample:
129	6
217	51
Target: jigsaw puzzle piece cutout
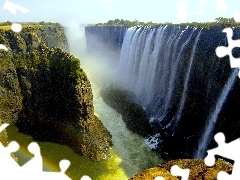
63	164
33	168
222	51
3	47
34	165
8	164
85	177
177	171
210	158
183	10
157	178
237	16
223	176
5	156
4	125
12	7
228	150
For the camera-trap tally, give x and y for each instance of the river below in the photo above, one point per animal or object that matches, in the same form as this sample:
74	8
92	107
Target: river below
130	154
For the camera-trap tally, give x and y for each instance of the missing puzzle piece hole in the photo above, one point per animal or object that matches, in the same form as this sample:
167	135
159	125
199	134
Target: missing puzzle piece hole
237	16
211	160
13	146
159	178
85	177
64	164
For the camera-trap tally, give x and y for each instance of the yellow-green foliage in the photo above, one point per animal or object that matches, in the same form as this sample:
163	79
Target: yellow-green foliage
29	65
10	97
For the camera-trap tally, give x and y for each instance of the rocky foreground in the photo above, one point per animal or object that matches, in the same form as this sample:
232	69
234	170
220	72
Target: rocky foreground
198	170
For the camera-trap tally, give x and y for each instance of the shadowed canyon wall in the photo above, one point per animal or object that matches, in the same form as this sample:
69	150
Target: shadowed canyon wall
188	93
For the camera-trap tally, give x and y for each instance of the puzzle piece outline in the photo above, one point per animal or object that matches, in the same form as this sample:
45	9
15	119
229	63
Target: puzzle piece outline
34	165
183	13
177	171
222	51
228	150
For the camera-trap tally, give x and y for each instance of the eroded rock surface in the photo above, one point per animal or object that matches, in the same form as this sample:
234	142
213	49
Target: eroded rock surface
46	94
198	170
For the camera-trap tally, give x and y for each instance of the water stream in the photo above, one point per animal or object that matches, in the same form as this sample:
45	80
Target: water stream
130	154
208	132
131	148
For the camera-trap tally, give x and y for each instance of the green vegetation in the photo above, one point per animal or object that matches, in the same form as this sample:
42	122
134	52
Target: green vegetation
219	22
121	22
28	53
41	85
32	26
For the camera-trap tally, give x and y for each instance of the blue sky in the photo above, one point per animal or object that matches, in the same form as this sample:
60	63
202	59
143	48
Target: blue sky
94	11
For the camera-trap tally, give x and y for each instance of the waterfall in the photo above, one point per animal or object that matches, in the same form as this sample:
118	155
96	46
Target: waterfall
132	152
175	75
149	64
174	70
183	98
209	128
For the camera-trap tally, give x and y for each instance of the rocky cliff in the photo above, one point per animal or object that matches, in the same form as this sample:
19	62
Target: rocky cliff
46	94
189	93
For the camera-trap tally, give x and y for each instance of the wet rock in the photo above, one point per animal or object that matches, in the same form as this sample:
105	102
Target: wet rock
133	114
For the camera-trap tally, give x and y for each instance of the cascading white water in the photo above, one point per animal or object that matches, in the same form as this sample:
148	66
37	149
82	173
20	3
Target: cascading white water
207	135
130	152
174	70
149	61
183	98
159	65
165	65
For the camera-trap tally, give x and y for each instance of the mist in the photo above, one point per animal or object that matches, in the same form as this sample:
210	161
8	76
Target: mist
100	64
101	67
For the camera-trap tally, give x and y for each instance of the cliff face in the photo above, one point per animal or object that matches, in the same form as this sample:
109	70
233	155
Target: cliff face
189	93
46	94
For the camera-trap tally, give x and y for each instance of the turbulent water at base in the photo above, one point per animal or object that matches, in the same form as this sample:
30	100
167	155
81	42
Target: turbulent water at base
159	66
130	154
207	135
134	154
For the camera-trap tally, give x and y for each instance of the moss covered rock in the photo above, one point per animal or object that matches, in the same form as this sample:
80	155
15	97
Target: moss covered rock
46	94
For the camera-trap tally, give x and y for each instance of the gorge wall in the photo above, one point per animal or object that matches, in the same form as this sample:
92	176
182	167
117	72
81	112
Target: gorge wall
188	92
46	94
